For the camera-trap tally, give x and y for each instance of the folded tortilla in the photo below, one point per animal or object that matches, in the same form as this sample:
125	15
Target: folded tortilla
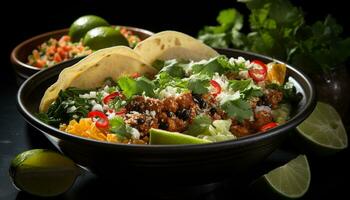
114	62
92	71
168	45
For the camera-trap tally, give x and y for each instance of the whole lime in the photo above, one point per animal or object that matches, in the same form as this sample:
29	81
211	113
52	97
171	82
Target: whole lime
103	37
43	172
83	24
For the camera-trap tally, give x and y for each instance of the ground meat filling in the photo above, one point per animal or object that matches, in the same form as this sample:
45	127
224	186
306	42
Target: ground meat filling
175	113
171	113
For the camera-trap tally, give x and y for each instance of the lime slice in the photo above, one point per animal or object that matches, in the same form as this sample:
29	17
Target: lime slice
103	37
43	172
83	24
291	180
158	136
323	130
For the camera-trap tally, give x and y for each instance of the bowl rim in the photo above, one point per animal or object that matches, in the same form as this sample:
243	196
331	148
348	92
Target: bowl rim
15	60
240	142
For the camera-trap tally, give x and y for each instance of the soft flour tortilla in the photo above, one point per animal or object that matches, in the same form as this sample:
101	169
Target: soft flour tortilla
92	71
117	61
168	45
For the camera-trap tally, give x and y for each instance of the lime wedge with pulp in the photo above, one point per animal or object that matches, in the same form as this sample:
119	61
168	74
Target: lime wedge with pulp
291	180
158	136
83	24
323	130
103	37
43	172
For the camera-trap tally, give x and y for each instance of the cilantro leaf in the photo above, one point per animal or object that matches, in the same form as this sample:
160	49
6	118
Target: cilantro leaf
238	108
118	127
199	84
200	125
136	86
239	85
174	68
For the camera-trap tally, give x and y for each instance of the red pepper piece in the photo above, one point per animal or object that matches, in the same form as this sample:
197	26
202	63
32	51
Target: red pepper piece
258	71
216	86
267	126
102	122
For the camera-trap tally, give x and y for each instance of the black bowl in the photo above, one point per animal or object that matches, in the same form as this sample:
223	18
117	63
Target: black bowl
189	164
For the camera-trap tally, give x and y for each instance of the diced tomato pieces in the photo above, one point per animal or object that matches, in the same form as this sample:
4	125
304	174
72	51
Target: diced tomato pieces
40	63
57	58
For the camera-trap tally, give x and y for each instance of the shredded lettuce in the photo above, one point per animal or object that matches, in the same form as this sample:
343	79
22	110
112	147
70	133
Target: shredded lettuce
219	131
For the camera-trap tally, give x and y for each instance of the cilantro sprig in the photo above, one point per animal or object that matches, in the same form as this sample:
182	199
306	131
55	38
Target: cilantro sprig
277	28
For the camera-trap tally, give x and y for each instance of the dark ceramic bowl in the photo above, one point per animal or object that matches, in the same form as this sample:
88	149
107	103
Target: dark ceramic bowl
189	164
19	54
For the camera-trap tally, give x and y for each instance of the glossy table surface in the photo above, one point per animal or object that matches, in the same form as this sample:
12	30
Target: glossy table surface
329	174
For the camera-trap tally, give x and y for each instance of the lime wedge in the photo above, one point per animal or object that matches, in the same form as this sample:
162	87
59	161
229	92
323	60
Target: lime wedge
291	180
43	172
158	136
323	130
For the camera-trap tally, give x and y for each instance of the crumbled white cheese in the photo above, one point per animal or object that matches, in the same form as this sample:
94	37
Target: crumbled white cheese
92	94
262	108
97	107
243	74
226	96
238	61
71	109
110	115
84	96
106	88
221	80
168	92
288	84
93	102
135	134
153	113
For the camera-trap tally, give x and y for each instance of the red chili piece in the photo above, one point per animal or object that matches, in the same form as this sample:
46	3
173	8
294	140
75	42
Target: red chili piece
268	126
258	71
102	121
112	96
217	87
135	75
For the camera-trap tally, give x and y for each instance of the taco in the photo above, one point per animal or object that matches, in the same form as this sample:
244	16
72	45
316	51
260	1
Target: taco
198	95
94	69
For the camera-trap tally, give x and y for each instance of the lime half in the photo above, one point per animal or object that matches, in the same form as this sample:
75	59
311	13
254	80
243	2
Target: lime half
83	24
103	37
324	130
291	180
43	172
158	136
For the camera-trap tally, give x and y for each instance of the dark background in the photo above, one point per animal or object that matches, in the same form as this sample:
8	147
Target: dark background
24	19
